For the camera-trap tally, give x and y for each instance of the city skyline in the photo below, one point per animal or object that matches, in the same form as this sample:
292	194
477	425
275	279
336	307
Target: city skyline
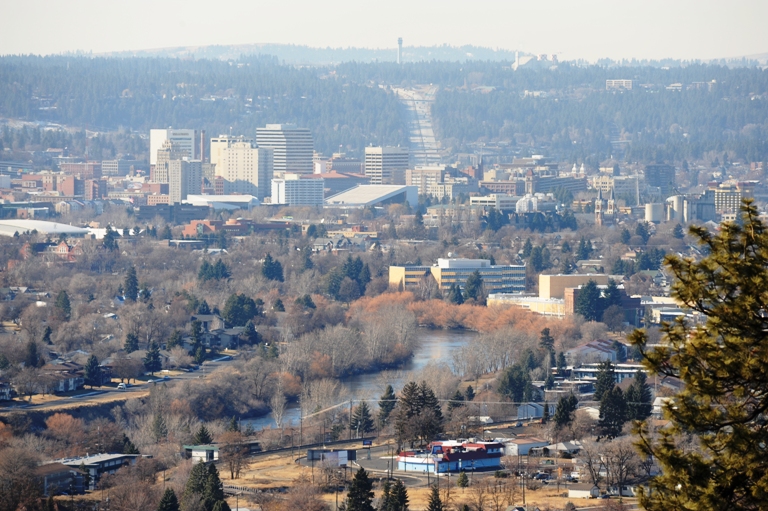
588	30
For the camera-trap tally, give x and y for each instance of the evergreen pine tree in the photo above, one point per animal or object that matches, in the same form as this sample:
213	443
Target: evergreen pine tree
360	495
606	379
613	412
722	402
47	335
527	248
221	505
233	424
128	446
131	285
463	480
588	302
204	308
169	502
456	400
32	358
399	496
565	410
678	232
473	288
63	306
562	365
152	361
159	429
213	491
625	236
202	436
196	482
362	422
92	372
173	341
639	398
385	501
469	393
546	340
545	413
131	343
435	504
387	403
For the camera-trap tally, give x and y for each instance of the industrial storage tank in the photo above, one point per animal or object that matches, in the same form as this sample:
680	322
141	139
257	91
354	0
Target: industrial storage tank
654	213
676	205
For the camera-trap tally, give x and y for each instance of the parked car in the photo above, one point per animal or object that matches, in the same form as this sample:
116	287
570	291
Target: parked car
121	386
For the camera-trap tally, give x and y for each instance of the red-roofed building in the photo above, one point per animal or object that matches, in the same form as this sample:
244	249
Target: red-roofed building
452	456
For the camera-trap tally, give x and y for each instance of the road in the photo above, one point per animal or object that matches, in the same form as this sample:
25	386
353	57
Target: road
107	394
423	144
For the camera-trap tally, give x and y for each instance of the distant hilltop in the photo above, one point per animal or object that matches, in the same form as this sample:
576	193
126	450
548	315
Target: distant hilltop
294	54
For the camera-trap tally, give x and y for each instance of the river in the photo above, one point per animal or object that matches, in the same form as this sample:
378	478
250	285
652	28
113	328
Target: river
435	346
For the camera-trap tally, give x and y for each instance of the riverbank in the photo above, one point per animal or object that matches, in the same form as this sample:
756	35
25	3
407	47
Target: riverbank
435	347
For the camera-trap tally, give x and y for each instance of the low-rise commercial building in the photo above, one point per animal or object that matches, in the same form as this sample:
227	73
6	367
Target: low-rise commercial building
293	190
447	272
452	456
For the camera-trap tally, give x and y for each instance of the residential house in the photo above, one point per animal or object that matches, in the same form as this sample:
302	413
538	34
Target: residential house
340	243
6	391
63	377
209	322
583	491
594	351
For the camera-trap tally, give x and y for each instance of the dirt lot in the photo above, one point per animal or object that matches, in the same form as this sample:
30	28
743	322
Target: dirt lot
281	471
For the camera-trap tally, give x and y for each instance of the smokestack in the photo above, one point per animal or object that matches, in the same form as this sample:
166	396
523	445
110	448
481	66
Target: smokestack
202	146
399	50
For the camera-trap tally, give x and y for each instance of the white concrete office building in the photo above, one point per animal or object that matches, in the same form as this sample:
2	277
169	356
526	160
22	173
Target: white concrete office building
246	169
386	165
294	191
184	140
185	178
293	147
218	144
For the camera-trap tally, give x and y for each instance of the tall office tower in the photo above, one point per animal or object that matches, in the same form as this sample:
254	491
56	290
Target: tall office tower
661	176
386	165
294	147
186	141
168	152
185	178
221	142
246	169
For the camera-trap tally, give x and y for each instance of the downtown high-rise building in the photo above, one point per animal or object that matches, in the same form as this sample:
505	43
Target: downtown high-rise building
293	147
218	144
386	165
185	140
169	151
245	169
185	177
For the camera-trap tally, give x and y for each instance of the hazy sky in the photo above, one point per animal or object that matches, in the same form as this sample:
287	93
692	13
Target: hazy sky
591	29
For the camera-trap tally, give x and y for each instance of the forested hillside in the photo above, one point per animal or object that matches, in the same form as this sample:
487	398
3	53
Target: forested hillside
671	114
105	94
